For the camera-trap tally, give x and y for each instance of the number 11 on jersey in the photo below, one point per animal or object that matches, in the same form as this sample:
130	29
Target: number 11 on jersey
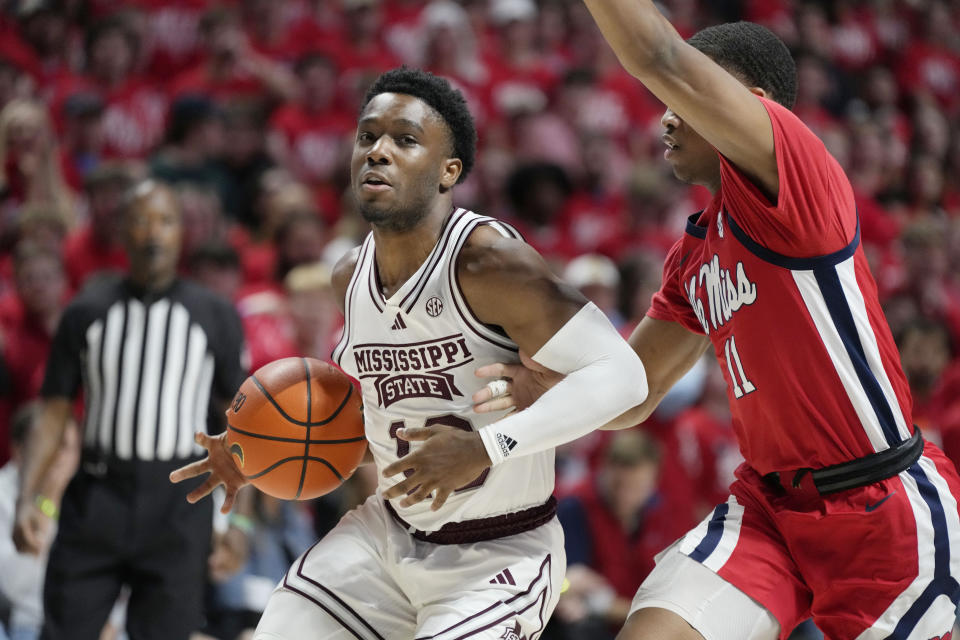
742	385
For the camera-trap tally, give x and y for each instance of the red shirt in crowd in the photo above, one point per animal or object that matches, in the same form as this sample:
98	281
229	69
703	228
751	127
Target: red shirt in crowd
83	256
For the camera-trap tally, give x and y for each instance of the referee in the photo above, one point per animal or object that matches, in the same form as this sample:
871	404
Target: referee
153	353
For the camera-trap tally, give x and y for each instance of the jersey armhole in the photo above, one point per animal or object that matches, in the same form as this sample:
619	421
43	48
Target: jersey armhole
493	334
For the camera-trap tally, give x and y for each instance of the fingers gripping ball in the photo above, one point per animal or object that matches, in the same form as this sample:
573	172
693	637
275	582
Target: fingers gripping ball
295	428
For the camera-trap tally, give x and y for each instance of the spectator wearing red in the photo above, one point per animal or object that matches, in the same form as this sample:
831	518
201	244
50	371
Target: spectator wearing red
311	137
83	141
194	141
41	290
135	106
55	40
450	49
614	525
231	68
172	34
264	309
98	244
928	357
708	448
520	80
930	63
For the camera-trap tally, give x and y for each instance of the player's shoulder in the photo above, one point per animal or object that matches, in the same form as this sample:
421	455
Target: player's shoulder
489	253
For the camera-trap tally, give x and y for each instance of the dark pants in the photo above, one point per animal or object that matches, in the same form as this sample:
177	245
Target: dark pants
125	523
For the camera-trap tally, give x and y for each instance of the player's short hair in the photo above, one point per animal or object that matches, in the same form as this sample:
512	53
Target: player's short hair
442	98
754	53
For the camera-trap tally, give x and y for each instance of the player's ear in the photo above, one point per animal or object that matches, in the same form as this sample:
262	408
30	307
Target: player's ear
452	168
760	91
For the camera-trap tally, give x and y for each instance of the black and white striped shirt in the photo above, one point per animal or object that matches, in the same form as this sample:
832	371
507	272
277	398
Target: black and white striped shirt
150	365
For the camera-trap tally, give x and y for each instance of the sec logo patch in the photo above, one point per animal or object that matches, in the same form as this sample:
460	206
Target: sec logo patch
434	306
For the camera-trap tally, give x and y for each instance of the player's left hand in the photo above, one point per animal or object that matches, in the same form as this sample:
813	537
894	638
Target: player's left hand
448	459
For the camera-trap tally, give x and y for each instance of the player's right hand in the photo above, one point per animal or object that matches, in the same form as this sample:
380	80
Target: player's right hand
526	382
32	529
221	467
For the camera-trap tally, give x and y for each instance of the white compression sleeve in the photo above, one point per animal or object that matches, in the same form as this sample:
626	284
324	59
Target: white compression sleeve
604	378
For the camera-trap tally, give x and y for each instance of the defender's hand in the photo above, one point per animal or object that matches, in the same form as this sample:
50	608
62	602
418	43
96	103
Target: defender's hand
219	464
31	531
526	382
448	459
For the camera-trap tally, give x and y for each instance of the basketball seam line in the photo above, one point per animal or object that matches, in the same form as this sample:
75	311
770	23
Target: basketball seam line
261	436
285	460
301	423
306	443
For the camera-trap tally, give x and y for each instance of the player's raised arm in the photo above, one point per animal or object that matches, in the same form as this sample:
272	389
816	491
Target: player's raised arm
701	92
506	283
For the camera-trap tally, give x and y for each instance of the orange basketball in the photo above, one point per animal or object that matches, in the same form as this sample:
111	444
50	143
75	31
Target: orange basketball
295	428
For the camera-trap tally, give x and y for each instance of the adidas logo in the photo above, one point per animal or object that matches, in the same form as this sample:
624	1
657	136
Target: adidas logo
504	577
506	444
398	323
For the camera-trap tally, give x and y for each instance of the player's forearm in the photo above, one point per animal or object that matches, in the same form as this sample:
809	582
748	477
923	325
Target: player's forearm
636	31
45	440
604	379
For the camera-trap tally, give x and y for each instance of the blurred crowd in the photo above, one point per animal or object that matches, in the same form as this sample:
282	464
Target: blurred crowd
247	107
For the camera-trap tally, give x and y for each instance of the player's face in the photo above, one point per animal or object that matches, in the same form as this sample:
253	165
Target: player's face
400	161
692	158
154	231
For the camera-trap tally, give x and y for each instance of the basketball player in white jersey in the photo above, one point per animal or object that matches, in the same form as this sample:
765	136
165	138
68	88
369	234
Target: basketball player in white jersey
434	292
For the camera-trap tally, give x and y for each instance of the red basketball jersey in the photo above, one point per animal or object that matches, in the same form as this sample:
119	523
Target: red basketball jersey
786	296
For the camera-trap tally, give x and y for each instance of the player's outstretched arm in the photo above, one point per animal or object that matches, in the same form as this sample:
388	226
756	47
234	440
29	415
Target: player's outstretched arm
507	283
667	349
716	104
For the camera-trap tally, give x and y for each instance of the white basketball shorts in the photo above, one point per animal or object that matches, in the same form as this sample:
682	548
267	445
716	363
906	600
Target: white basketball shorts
370	579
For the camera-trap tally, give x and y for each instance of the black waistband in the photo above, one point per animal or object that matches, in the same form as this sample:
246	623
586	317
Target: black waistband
480	529
856	473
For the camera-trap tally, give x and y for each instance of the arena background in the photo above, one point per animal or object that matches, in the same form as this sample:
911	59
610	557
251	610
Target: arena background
248	108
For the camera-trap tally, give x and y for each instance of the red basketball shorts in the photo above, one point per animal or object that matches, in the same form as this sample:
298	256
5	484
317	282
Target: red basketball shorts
880	561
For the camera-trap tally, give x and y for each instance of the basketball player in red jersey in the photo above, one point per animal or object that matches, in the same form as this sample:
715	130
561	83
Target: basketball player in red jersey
841	510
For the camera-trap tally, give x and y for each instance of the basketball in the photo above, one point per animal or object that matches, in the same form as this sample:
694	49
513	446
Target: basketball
295	428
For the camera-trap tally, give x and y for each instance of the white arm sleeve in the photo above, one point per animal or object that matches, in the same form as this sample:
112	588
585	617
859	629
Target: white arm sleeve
604	378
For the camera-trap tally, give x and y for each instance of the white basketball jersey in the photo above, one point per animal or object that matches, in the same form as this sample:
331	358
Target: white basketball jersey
414	355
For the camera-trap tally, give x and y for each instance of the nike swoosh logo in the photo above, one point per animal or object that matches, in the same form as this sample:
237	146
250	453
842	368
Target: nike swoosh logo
685	256
237	450
876	505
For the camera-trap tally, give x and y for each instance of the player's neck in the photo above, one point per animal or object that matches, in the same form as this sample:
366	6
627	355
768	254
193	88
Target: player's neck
400	253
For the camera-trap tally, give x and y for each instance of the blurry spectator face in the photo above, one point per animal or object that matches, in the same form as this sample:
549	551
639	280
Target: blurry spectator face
153	232
242	140
312	310
932	130
924	252
924	354
319	80
13	83
111	57
222	279
301	242
202	218
41	283
628	477
105	208
46	31
926	181
813	84
364	18
25	127
882	87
